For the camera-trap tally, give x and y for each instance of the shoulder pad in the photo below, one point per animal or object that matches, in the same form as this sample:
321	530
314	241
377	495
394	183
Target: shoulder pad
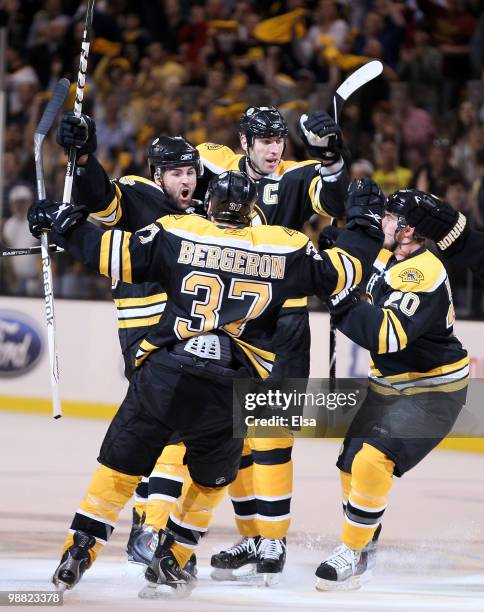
218	158
275	235
289	165
132	180
421	274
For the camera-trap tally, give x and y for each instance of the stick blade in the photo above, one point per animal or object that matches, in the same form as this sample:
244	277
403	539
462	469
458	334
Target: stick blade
360	77
59	96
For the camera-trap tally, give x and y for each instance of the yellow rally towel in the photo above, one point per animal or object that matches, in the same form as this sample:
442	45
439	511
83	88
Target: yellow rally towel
279	30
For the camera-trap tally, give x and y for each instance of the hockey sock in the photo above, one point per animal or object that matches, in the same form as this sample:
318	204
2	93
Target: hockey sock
241	493
141	497
165	485
191	516
345	481
272	484
371	481
107	494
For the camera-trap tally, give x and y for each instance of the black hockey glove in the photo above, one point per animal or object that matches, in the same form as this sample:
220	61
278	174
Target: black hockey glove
46	215
343	302
321	136
364	206
435	219
78	132
328	237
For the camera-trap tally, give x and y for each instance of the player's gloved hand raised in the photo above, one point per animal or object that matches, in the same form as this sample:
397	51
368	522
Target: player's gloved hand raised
364	206
78	132
343	302
45	215
321	136
434	218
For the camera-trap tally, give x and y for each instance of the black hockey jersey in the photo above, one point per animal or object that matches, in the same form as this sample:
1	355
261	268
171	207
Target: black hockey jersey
232	279
408	327
291	194
128	203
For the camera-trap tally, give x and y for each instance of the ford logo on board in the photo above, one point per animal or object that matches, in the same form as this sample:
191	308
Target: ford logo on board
20	343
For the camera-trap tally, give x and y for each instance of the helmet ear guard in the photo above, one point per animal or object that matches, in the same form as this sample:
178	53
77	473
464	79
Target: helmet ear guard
231	196
167	152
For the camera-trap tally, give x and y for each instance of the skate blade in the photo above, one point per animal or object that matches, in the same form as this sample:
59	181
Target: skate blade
350	584
60	587
246	573
271	579
163	591
134	569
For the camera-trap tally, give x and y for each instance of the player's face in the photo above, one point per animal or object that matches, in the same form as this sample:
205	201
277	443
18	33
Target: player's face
179	183
265	154
389	225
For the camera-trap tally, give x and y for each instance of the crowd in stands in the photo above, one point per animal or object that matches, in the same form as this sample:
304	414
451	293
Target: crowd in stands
190	68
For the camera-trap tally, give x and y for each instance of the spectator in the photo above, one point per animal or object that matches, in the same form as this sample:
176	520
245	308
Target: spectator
388	174
328	30
16	234
477	195
434	174
421	67
361	169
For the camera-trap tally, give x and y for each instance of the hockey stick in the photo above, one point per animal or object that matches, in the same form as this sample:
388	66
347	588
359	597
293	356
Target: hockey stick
81	81
357	79
35	250
50	113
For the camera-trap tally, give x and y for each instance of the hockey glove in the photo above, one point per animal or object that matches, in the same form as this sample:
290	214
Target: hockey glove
78	132
321	136
435	219
328	237
46	215
343	302
364	206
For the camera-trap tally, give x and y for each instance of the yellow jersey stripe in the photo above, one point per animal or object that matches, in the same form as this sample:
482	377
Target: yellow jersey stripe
140	301
438	371
261	371
444	387
142	322
104	254
267	355
402	336
295	302
383	333
126	258
147	346
112	214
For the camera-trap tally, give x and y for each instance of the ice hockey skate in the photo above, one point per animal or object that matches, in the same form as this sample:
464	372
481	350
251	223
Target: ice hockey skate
165	578
74	562
344	570
237	562
271	557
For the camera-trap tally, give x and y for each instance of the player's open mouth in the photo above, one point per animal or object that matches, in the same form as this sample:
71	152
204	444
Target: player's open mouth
185	193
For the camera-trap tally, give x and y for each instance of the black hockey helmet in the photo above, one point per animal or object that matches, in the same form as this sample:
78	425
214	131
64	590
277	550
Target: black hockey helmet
399	203
232	196
171	151
262	122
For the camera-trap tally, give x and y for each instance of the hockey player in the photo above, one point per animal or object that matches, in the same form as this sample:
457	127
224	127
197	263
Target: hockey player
288	194
436	219
130	203
217	302
417	386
